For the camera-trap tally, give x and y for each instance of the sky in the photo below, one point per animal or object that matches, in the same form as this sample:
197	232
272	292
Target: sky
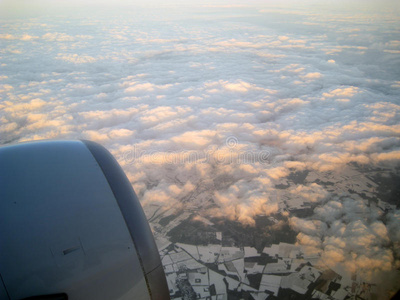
231	96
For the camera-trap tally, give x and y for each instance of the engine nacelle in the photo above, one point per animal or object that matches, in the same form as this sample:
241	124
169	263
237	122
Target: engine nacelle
71	226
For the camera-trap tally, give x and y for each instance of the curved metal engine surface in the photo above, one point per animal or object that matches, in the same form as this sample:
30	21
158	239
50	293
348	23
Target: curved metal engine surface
71	223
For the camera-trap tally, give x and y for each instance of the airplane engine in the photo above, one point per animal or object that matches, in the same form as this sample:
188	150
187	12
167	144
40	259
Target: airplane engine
71	226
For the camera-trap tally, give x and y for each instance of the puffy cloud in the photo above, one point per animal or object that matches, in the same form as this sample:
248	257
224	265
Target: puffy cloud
312	76
309	227
27	37
278	172
6	87
310	241
32	105
351	235
311	193
341	92
330	212
241	204
333	255
163	113
195	139
393	156
56	36
76	59
8	127
393	225
7	36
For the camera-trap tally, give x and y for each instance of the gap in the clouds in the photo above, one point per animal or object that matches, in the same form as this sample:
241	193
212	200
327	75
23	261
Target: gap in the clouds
267	230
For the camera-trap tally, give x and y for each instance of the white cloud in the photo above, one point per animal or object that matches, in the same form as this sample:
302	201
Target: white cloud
59	37
312	76
342	92
241	204
76	59
7	36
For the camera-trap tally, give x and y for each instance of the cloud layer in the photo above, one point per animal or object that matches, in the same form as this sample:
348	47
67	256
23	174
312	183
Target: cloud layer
213	106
